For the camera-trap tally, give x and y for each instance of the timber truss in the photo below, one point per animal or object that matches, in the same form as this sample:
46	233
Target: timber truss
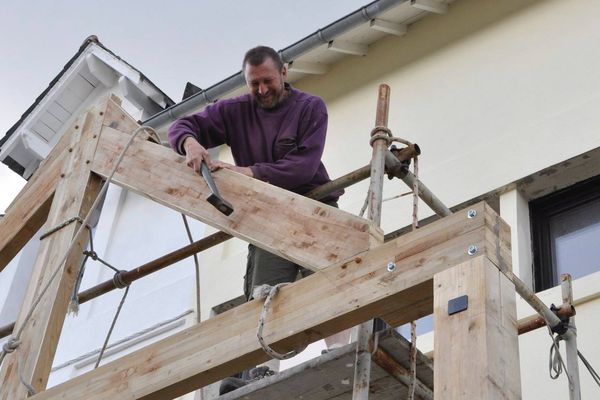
466	253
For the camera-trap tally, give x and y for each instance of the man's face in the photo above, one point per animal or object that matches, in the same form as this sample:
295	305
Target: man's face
265	82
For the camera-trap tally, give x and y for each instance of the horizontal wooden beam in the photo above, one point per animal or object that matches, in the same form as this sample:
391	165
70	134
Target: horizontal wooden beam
299	229
328	301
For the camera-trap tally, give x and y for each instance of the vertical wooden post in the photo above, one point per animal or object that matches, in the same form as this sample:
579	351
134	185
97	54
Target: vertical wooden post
476	350
362	369
76	190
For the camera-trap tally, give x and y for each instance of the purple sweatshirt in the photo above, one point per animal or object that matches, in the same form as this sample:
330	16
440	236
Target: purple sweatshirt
282	146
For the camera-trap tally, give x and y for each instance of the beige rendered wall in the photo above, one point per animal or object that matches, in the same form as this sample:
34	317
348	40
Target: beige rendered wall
492	91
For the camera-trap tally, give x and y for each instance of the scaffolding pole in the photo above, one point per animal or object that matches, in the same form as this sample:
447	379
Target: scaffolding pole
571	340
362	369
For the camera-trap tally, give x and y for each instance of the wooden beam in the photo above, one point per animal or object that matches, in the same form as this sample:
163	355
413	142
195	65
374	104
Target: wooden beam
328	301
75	193
480	358
115	117
29	210
305	231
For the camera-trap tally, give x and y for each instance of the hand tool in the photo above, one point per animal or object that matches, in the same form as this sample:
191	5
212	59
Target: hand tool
215	198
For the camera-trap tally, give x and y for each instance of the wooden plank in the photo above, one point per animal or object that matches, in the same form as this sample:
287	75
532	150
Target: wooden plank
496	247
115	117
479	360
28	211
74	195
305	231
328	301
330	376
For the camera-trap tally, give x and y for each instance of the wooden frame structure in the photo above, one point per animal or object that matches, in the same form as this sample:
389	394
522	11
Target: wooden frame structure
476	350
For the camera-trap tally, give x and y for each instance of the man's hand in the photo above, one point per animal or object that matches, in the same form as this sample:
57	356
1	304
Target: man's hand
195	153
241	170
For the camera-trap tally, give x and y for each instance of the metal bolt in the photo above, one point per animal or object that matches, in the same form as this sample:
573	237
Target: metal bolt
472	250
391	266
471	213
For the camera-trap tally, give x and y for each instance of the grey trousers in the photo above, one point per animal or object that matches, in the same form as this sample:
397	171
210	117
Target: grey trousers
264	268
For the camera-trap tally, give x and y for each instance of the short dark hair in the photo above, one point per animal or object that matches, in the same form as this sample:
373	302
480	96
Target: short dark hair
259	54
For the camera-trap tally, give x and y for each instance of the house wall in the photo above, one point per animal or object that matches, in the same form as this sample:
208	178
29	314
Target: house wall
492	92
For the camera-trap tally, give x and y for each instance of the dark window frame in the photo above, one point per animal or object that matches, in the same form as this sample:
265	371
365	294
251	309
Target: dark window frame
544	208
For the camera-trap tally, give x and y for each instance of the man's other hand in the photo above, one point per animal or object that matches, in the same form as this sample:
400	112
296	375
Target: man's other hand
241	170
195	153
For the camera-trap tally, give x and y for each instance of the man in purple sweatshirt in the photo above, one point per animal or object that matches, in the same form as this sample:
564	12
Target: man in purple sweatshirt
276	134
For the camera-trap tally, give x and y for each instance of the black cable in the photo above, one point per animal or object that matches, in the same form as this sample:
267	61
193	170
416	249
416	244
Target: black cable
589	367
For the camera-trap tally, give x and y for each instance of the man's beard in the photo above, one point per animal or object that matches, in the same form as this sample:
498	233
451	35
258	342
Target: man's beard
271	101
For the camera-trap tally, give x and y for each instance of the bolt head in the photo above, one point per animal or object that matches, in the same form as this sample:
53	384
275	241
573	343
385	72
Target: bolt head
472	250
391	266
471	214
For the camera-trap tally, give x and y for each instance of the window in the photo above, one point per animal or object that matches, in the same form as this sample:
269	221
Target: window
566	233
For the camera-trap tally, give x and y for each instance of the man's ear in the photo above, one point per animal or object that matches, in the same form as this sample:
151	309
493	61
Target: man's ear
284	71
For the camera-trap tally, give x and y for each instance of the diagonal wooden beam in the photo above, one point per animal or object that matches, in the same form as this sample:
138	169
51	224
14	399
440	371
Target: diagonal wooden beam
305	231
326	302
75	192
29	210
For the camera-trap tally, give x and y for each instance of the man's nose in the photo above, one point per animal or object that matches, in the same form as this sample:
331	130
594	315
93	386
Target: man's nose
262	89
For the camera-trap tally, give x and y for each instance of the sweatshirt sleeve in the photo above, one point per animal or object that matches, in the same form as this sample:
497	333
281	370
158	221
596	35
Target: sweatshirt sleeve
207	127
300	163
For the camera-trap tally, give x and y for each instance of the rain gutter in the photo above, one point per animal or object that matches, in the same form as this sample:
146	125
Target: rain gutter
322	36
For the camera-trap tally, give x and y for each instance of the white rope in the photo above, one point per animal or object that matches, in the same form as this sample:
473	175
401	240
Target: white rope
17	337
261	323
556	365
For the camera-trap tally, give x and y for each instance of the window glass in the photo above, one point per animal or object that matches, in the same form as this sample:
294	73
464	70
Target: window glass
575	236
566	233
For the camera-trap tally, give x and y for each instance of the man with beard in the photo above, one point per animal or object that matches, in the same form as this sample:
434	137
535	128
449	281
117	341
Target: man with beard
276	134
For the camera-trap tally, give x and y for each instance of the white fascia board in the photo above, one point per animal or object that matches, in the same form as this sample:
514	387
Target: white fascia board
9	146
388	27
124	69
104	73
311	68
136	96
112	62
433	6
345	47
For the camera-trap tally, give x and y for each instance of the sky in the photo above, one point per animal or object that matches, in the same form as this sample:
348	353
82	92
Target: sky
171	42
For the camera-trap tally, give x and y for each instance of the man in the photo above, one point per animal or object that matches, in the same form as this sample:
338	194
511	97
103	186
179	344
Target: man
276	134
